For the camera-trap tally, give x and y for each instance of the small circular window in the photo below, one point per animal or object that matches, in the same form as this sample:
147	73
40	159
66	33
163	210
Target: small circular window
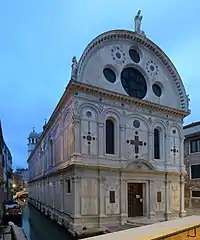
157	90
136	124
109	75
134	55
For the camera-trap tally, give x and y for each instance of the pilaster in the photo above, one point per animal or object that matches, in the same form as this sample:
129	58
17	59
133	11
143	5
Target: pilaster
61	194
150	145
123	200
101	139
77	141
76	190
167	199
167	151
152	198
122	141
102	197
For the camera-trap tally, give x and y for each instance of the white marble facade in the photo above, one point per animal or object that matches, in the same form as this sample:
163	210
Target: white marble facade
73	179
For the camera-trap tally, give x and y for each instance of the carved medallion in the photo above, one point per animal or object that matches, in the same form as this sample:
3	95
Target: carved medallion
152	68
118	55
136	124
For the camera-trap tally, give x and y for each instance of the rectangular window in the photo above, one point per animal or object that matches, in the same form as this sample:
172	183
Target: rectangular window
194	145
68	186
112	196
196	194
195	171
158	196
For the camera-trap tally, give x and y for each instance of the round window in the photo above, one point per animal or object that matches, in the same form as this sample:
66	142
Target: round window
136	124
109	75
134	83
157	90
134	55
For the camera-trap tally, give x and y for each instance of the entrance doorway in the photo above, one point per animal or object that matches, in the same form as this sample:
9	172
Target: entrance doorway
135	199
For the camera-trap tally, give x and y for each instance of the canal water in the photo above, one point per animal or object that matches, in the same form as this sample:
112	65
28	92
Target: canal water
38	227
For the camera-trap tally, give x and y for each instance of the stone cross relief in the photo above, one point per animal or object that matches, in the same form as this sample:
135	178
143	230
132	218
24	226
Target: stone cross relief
136	143
89	138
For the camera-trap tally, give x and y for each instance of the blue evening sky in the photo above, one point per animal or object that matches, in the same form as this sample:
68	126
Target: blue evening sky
38	39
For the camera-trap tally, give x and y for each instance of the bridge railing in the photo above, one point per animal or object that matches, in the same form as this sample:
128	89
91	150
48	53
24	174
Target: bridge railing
182	228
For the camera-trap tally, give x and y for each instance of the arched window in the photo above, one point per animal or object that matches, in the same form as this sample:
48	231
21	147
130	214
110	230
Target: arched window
110	135
156	144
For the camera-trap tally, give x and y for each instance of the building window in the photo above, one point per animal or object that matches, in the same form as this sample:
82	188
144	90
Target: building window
195	171
112	196
68	186
195	146
110	143
196	194
158	197
156	144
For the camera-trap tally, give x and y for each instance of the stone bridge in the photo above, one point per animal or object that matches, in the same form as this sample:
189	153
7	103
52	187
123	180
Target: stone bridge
20	194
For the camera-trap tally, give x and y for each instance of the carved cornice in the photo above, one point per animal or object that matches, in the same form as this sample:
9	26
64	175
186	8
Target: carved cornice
126	99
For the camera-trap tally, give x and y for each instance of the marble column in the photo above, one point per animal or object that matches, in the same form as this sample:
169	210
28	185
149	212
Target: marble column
152	198
182	199
122	141
102	197
76	190
101	139
150	145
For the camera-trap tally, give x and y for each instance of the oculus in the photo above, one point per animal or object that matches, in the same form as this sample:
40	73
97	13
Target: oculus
88	114
118	55
157	90
136	124
109	75
133	82
152	68
134	55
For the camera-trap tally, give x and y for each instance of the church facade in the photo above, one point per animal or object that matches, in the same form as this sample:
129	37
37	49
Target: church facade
113	147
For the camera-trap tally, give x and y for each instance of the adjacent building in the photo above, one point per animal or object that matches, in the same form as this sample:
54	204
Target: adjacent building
113	147
192	162
6	191
24	173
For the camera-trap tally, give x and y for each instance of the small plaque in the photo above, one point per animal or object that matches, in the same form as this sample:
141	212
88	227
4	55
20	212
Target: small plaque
137	196
141	200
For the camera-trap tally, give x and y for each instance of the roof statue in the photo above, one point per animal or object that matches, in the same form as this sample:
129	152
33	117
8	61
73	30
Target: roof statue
74	68
138	20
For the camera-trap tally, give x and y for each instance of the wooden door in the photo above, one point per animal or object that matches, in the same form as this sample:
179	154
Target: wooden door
135	199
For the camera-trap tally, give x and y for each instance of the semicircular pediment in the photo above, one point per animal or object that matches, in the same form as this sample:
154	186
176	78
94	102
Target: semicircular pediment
119	49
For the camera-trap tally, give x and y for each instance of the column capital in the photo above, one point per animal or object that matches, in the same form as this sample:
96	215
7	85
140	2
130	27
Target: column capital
151	132
100	124
102	179
76	178
122	127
